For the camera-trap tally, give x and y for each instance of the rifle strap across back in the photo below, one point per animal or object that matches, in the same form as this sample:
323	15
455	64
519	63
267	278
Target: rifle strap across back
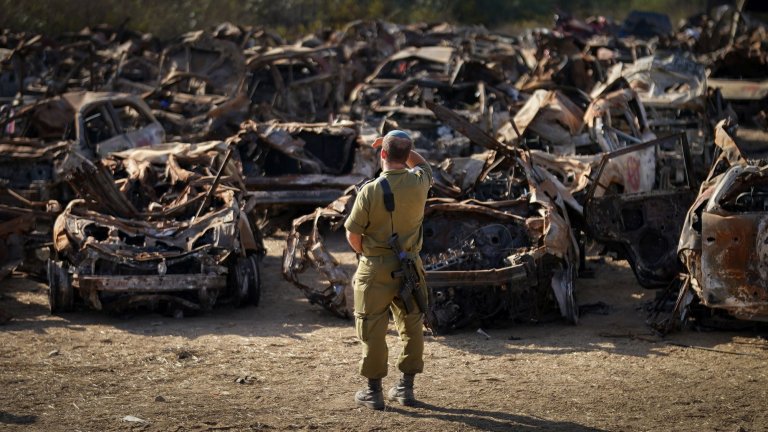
389	201
389	197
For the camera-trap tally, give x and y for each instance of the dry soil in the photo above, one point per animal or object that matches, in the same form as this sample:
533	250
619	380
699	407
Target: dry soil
289	365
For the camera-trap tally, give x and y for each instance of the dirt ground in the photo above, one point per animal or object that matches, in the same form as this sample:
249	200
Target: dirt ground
289	365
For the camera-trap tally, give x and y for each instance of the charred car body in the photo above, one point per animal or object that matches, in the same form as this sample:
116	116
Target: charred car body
509	256
723	244
24	232
290	166
36	137
163	227
295	84
673	90
642	226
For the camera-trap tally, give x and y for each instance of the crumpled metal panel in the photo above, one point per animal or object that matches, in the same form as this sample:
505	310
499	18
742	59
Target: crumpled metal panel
305	249
734	263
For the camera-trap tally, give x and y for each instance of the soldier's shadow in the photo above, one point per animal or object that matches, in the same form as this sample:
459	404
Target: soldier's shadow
488	420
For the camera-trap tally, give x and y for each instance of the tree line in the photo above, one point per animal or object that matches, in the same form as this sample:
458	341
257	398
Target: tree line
168	18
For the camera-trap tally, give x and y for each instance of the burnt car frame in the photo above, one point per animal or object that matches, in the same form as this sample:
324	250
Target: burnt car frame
165	227
723	244
294	165
38	136
515	257
641	227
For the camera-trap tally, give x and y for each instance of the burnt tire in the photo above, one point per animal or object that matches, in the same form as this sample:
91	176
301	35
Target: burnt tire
245	280
572	307
564	296
61	296
238	282
254	280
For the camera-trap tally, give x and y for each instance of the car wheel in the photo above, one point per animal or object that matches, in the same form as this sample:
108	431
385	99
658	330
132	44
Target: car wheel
60	292
254	280
238	280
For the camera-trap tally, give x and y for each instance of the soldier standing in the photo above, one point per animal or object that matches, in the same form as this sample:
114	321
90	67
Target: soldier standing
407	176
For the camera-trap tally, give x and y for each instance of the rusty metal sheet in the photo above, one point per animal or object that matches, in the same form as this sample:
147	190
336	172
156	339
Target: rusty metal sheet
551	115
733	262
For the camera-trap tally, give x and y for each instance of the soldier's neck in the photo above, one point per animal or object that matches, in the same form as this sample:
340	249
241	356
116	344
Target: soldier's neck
388	166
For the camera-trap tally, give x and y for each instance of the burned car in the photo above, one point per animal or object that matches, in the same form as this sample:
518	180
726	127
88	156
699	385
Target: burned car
642	227
295	84
552	122
509	253
673	90
732	45
404	106
396	95
200	94
164	227
291	165
35	138
723	244
400	68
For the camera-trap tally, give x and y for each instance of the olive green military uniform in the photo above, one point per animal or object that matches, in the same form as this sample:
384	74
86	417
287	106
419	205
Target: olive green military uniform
375	289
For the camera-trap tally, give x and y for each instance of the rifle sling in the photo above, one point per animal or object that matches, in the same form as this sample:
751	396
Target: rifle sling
389	201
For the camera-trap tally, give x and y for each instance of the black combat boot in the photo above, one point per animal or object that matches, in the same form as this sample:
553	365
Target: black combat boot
371	397
403	391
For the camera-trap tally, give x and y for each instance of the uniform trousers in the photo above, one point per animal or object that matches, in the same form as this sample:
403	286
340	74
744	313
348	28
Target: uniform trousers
376	292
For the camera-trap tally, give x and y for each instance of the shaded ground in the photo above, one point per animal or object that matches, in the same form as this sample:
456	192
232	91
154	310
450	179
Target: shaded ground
296	370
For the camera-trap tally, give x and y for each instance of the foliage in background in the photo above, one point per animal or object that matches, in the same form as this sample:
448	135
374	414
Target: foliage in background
168	18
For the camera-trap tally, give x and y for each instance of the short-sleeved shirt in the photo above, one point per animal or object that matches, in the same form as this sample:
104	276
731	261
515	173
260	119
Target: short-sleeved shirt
370	218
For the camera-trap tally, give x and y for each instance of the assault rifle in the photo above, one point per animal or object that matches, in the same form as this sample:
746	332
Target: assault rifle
409	288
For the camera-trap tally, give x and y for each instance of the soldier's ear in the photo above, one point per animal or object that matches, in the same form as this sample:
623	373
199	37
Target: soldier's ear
384	154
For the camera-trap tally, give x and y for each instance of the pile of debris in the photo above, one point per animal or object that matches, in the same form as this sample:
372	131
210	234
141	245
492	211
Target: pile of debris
171	158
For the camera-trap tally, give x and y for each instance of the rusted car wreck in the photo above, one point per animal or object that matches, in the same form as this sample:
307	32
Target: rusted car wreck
723	244
510	256
164	227
35	138
302	164
642	227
